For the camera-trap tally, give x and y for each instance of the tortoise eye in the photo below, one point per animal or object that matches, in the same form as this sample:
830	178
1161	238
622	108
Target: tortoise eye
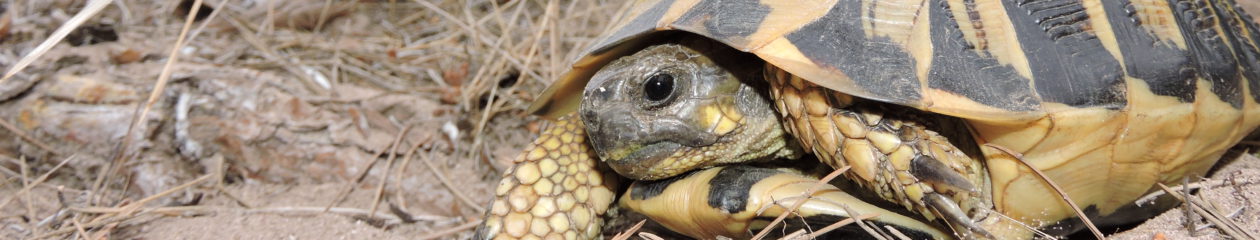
658	87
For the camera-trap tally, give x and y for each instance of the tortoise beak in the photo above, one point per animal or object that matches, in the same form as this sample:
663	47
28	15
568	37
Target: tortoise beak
636	142
628	146
614	135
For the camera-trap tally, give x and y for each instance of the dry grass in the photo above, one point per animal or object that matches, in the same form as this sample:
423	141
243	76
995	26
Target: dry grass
460	73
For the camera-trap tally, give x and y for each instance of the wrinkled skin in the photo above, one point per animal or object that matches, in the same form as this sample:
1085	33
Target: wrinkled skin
666	111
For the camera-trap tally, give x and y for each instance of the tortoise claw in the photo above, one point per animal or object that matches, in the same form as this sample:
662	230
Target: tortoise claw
933	172
737	201
948	210
943	178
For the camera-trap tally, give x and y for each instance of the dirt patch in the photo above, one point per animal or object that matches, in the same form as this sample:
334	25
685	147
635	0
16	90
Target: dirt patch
1236	196
279	212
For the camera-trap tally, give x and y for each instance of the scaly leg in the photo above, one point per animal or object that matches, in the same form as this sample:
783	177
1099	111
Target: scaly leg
556	190
896	156
737	201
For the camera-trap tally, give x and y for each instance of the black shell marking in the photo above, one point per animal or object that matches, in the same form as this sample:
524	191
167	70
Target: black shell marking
1241	33
1068	62
635	27
877	64
1229	85
1208	49
958	68
1160	64
1250	53
726	19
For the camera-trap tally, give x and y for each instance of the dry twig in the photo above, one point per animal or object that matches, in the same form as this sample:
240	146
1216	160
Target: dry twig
127	211
89	10
802	234
122	154
474	32
1192	186
873	231
380	189
392	150
402	168
271	55
806	196
1020	157
624	235
453	230
37	181
450	186
1225	224
22	134
323	15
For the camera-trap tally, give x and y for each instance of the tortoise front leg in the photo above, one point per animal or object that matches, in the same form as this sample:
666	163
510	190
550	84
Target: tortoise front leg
894	154
556	190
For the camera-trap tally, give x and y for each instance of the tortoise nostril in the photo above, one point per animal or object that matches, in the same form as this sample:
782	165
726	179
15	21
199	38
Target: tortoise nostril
602	93
590	117
589	111
595	99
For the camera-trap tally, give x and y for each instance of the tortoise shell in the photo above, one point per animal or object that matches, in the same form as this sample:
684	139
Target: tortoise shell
1107	97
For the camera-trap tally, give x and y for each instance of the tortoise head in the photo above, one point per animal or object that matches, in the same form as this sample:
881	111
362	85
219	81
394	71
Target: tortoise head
672	108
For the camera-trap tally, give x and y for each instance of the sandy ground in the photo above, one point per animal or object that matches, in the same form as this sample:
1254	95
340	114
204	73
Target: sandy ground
1238	197
278	110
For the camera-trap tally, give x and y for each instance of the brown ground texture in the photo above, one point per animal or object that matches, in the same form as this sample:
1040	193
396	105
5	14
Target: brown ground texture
309	119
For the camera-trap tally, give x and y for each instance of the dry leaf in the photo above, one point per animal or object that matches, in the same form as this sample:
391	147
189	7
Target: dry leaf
455	77
5	21
126	56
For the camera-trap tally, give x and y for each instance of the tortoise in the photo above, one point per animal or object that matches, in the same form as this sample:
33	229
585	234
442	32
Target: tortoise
945	108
